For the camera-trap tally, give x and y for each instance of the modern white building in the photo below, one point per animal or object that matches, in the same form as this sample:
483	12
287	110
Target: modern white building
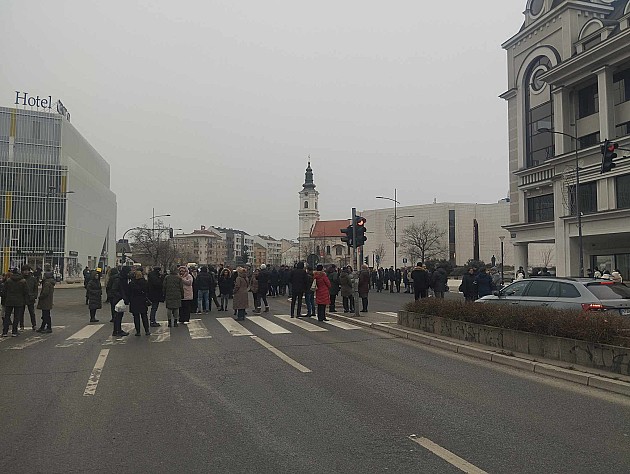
569	90
57	205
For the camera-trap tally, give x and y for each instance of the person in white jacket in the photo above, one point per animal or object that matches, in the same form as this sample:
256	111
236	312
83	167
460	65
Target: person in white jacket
616	276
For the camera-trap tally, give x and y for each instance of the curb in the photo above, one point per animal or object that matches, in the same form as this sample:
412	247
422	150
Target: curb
582	378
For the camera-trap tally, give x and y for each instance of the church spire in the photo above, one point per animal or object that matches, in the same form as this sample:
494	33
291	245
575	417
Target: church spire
308	177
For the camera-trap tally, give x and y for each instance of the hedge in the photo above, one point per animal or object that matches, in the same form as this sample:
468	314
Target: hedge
596	327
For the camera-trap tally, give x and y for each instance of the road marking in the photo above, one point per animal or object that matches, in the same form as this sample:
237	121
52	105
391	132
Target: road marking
198	330
81	335
448	456
90	388
387	313
267	325
29	341
341	324
118	340
162	333
282	355
301	323
233	327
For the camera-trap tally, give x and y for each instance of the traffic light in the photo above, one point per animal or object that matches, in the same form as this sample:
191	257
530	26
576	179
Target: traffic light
347	238
367	260
608	155
361	238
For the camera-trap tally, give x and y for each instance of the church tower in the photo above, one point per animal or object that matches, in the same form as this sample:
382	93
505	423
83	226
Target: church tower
309	212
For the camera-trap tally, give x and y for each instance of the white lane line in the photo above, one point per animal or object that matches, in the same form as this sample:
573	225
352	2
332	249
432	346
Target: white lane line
448	456
161	334
301	323
233	327
282	355
198	330
118	340
387	313
81	335
268	326
90	388
341	324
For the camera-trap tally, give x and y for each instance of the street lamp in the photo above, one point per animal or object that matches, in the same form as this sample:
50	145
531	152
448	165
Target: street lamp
577	194
395	224
502	238
153	217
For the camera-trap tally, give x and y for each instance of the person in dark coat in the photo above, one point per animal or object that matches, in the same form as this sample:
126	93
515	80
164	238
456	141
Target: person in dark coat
274	278
14	297
33	286
391	276
468	286
421	281
405	277
263	287
333	278
439	282
95	295
45	302
398	279
112	290
213	288
484	283
345	283
173	290
364	287
138	302
309	294
380	278
226	287
202	295
298	281
87	275
155	283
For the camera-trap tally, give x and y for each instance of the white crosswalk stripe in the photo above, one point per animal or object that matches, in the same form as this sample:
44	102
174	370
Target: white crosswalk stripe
198	330
233	327
387	313
118	340
81	335
301	323
268	326
341	325
161	334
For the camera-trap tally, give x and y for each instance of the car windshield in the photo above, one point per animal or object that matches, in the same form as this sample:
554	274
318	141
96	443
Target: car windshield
616	291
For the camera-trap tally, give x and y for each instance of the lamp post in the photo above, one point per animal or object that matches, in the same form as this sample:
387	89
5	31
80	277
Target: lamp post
153	217
577	194
502	238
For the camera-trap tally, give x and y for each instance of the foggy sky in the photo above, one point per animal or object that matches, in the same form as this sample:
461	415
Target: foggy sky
208	110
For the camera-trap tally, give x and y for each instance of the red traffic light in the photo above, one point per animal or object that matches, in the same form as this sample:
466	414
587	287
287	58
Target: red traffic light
361	220
613	146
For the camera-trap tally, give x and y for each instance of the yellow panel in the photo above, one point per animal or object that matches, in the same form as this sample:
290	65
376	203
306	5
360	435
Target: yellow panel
13	123
5	260
8	207
64	180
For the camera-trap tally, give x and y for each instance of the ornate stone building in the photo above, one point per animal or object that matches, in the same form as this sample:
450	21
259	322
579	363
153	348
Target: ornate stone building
569	90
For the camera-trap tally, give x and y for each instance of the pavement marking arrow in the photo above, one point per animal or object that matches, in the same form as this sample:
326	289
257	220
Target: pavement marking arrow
448	456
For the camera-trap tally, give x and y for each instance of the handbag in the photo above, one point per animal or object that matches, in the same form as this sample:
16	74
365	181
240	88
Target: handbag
121	307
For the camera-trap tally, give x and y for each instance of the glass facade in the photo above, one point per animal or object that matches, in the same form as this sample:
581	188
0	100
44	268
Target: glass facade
588	198
451	235
540	209
622	183
32	189
539	115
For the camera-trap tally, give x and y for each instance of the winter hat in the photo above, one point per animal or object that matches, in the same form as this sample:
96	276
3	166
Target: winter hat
263	266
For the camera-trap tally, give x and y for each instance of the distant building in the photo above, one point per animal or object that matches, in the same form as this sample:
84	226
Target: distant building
202	246
273	249
57	205
239	245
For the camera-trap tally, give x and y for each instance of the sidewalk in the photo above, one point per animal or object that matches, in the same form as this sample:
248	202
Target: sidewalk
388	322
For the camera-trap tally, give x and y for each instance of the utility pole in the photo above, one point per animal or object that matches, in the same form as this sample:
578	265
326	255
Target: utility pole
357	262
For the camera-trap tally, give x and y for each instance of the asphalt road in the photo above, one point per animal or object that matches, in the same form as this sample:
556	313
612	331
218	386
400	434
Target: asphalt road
290	400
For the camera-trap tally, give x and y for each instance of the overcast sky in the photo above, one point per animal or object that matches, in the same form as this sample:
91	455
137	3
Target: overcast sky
208	110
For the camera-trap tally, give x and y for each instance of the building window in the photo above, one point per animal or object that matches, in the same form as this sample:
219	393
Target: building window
451	235
327	249
591	139
622	130
338	251
622	183
305	204
315	204
540	209
621	87
588	198
590	44
539	106
588	101
317	250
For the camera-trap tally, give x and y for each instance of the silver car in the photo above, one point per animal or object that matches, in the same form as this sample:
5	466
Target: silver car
583	294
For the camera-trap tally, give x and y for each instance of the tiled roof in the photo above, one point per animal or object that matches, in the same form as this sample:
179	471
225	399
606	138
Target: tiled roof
329	228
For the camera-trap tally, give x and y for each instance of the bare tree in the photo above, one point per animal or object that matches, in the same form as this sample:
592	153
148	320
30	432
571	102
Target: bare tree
424	240
546	256
156	246
380	254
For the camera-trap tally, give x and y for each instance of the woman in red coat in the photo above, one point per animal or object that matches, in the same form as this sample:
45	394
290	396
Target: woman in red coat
322	295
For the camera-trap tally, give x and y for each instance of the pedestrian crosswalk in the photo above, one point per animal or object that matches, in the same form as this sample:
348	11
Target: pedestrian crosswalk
196	329
388	313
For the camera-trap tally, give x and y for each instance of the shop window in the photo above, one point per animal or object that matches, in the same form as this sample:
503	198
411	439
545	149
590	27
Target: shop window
588	101
622	183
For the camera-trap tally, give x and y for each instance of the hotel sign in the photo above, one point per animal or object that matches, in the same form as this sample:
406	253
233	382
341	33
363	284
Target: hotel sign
23	98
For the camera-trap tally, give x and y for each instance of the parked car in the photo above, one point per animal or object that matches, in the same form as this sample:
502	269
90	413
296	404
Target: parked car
583	294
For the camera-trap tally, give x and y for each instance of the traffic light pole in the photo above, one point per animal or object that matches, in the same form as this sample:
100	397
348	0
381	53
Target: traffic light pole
357	263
